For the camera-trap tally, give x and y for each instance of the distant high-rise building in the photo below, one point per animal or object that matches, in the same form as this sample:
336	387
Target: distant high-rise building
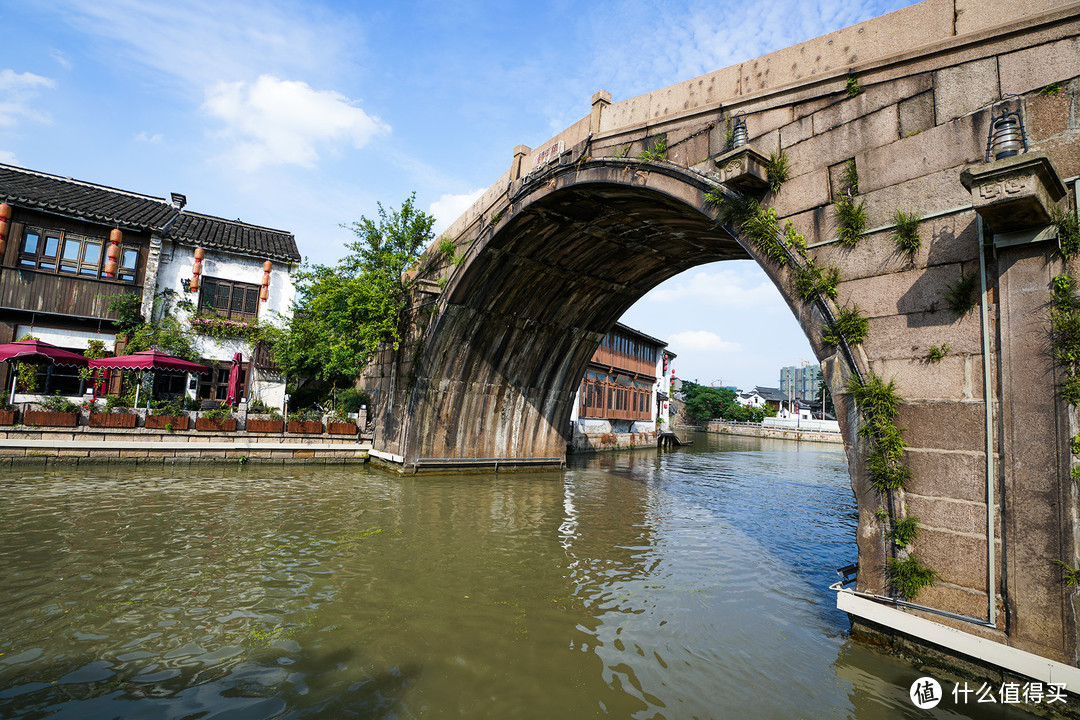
800	383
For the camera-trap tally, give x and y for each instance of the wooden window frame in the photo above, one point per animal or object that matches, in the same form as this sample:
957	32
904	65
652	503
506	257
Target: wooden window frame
79	267
249	290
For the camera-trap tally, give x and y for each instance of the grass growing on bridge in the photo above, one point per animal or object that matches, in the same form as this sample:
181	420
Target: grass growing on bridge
657	152
1068	227
960	295
849	325
759	224
850	216
1065	335
904	531
879	405
909	576
906	232
777	170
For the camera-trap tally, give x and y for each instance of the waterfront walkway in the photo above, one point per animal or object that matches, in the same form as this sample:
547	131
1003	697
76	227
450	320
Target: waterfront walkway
98	445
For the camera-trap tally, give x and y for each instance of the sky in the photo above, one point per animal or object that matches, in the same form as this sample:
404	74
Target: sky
304	116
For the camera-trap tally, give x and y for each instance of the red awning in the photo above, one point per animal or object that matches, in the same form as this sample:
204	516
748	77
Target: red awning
37	351
149	360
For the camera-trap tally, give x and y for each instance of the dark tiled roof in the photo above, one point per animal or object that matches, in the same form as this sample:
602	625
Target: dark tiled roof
91	202
772	394
627	330
109	206
234	236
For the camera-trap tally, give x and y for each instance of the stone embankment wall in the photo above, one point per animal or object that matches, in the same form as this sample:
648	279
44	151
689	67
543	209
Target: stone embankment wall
79	445
725	428
599	442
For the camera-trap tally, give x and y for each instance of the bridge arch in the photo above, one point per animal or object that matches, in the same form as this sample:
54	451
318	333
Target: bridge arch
497	367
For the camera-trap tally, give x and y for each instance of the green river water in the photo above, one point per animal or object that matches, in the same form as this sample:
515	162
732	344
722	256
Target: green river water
690	584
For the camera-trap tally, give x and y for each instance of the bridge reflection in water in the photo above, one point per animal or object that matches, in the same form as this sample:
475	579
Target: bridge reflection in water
685	584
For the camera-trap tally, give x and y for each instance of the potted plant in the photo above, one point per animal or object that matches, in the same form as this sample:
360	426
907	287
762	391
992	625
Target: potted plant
114	415
166	415
340	423
304	421
269	420
56	411
7	413
217	420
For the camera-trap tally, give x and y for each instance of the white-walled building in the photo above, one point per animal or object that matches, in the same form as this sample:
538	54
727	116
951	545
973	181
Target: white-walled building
237	259
68	248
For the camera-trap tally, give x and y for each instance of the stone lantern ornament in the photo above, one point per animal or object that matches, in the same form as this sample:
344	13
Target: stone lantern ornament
1015	191
742	168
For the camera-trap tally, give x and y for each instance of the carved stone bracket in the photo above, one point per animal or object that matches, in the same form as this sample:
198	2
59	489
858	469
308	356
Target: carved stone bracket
1015	193
742	169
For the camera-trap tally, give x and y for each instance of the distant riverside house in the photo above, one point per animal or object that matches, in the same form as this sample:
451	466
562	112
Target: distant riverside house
626	385
750	399
70	247
763	397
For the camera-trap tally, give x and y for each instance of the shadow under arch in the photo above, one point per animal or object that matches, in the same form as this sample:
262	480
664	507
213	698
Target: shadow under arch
492	371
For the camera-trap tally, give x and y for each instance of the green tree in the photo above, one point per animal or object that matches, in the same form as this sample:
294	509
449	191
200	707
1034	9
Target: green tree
824	388
705	403
165	334
342	312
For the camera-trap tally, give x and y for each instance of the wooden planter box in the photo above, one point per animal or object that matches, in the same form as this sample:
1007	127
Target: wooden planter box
159	422
341	428
7	417
306	426
265	426
113	420
215	424
44	418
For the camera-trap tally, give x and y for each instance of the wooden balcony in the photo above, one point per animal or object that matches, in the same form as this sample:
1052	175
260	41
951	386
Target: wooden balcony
621	361
61	294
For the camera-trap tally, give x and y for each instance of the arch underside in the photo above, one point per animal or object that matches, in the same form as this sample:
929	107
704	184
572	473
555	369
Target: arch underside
518	324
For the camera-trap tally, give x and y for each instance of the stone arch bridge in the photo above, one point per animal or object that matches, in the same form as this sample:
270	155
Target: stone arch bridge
581	227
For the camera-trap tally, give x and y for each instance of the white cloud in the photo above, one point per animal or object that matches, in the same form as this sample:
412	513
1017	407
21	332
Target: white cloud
198	42
740	287
8	158
17	90
146	137
61	58
449	208
699	341
282	122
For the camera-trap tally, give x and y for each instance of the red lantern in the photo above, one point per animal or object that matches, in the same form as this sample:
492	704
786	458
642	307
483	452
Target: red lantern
112	255
196	269
5	216
264	293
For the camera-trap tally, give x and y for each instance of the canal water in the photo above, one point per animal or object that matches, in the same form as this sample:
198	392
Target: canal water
690	584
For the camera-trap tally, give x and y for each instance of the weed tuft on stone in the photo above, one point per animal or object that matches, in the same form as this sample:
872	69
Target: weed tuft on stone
849	326
906	233
909	576
960	295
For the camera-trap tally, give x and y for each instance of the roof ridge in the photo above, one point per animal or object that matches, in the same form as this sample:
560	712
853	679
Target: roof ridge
85	183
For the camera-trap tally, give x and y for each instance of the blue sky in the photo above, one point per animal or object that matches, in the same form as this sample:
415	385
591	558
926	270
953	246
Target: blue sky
304	115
